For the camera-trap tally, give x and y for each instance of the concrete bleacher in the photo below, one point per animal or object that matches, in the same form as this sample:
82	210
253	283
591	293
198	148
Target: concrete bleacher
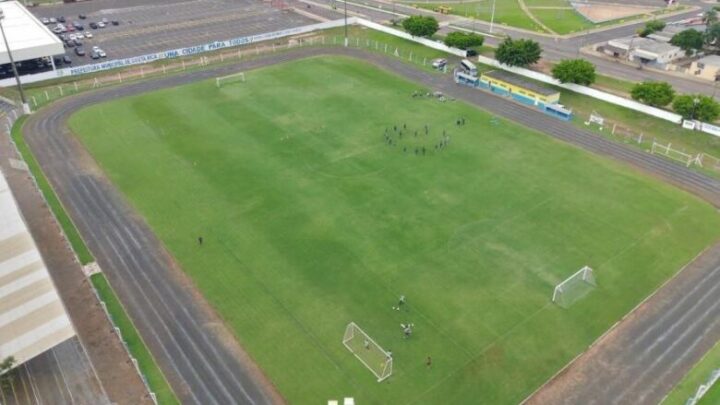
32	316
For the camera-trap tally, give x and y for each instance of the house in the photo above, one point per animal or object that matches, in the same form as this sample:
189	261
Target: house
670	30
707	68
644	50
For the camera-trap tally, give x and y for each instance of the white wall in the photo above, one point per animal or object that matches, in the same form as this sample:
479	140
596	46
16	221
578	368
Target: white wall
402	34
600	95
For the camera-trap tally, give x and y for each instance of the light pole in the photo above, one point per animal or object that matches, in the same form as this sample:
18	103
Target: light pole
492	17
26	107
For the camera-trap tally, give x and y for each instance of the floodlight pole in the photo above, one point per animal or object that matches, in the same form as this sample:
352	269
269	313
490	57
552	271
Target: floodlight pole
26	107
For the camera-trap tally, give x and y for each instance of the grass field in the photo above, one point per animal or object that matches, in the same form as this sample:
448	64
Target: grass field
311	220
698	375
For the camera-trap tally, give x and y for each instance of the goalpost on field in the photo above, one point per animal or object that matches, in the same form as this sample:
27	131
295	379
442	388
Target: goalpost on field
374	357
574	287
229	79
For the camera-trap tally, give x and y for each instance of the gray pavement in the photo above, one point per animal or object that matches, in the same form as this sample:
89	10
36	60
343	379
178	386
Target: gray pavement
147	27
61	375
172	318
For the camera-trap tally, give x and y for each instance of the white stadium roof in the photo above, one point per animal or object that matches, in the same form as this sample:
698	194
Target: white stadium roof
28	37
32	317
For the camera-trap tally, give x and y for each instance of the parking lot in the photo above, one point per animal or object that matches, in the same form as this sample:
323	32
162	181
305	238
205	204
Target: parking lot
147	26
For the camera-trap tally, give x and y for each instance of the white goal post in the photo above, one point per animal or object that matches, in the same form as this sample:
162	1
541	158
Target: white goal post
574	287
233	78
374	357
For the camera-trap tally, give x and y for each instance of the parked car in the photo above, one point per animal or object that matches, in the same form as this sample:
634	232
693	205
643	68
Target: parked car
472	52
439	63
102	53
93	25
115	22
78	42
70	28
94	55
82	16
61	19
57	30
104	20
45	21
70	43
79	51
78	26
101	24
67	60
88	35
72	36
53	20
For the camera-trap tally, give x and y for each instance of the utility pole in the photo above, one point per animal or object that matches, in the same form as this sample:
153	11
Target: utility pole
26	107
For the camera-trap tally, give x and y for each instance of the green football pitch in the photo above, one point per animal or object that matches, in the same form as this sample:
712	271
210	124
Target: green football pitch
314	216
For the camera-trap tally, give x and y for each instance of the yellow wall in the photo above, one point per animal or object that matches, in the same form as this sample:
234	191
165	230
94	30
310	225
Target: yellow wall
553	98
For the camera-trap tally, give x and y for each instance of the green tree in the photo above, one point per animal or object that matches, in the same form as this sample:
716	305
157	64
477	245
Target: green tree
5	371
689	40
710	17
420	26
464	40
522	52
651	26
656	94
578	71
712	35
697	107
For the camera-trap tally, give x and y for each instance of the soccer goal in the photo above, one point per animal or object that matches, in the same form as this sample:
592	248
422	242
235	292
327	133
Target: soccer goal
366	350
229	79
574	287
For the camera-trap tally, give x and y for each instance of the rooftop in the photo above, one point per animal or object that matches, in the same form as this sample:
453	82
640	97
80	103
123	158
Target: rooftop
508	77
712	60
27	36
32	317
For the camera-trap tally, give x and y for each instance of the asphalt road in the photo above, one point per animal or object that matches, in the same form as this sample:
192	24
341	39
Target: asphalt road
554	49
201	365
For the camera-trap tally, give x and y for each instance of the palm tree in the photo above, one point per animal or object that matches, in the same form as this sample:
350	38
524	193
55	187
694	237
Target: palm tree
710	17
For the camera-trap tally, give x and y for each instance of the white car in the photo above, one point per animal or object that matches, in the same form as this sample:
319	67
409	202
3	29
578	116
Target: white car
101	24
102	53
95	48
88	35
439	63
72	37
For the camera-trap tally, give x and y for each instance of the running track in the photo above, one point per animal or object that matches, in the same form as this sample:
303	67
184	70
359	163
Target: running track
205	368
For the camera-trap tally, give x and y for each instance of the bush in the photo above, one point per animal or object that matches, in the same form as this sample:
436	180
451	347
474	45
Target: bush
420	26
697	107
523	52
578	71
464	40
656	94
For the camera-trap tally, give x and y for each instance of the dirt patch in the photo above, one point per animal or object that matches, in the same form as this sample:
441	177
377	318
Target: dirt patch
602	12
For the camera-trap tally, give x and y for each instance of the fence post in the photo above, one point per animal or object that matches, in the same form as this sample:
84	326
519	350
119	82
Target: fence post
613	130
410	58
34	101
120	77
61	91
385	48
142	72
76	89
47	97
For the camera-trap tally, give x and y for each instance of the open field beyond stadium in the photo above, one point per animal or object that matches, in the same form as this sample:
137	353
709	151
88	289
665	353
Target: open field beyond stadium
310	219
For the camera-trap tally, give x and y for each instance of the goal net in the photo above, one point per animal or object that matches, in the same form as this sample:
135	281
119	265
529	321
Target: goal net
574	287
230	79
366	350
